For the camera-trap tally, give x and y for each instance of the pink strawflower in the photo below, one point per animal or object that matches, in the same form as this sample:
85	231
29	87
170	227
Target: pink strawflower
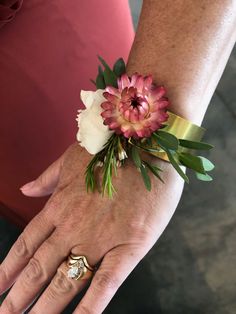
137	108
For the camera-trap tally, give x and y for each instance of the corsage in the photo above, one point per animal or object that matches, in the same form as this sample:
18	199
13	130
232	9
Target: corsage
127	115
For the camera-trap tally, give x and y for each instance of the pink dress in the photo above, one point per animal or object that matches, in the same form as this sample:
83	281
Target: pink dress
47	54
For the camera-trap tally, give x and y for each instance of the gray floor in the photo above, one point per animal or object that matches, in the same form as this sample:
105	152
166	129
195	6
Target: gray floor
192	267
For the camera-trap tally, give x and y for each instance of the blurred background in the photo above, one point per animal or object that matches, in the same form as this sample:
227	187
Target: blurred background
192	268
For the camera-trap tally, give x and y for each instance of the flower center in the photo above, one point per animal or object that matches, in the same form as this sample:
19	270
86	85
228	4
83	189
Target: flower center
135	102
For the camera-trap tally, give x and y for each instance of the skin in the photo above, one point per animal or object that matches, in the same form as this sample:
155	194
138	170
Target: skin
179	42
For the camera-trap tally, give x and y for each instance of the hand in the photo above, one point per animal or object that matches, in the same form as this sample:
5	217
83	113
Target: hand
117	232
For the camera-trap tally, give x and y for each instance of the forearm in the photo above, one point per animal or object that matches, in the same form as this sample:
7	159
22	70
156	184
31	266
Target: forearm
185	44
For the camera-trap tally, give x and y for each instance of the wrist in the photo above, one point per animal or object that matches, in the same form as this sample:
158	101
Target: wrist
183	102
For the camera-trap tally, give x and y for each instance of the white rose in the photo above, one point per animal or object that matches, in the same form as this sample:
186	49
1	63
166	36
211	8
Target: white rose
92	134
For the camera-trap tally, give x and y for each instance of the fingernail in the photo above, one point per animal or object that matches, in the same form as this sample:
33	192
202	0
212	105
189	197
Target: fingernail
27	186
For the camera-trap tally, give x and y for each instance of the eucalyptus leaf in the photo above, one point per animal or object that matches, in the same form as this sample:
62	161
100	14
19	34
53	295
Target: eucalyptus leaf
165	139
207	164
136	156
146	178
174	161
203	177
119	67
195	145
192	162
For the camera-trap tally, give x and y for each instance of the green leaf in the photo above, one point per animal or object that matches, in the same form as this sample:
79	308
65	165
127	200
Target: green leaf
100	71
146	178
109	76
119	67
136	156
154	170
174	161
203	177
148	141
89	174
103	62
100	83
195	145
207	164
108	165
192	162
166	140
145	148
115	165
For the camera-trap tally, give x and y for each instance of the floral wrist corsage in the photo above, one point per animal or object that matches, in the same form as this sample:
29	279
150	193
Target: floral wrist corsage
128	114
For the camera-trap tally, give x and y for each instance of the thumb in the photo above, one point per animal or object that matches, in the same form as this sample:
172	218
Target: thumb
46	183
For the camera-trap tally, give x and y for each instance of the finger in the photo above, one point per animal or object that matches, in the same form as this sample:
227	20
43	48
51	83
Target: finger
39	271
115	267
63	289
23	249
46	183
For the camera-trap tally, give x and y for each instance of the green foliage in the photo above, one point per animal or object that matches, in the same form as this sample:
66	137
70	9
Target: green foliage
195	145
154	170
100	83
107	171
166	140
91	80
145	176
136	157
173	158
207	164
203	177
191	162
89	174
108	76
108	157
119	67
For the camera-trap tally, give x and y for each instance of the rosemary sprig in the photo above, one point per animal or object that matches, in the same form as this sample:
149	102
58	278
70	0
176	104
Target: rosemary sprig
107	157
108	166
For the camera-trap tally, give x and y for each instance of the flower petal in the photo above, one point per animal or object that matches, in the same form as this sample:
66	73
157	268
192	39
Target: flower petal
88	97
92	133
123	81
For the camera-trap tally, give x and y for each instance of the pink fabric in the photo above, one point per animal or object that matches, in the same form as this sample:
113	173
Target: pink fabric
8	9
47	54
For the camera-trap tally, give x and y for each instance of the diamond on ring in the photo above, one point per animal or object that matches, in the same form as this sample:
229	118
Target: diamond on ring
79	267
76	270
73	272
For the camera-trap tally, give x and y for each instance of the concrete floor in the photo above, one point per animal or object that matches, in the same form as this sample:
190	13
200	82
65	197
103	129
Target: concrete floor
192	267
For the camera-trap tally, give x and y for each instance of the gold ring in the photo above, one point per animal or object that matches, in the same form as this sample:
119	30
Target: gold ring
79	267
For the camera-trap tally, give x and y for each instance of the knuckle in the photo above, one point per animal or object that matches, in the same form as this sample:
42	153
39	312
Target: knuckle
59	285
106	280
138	229
20	248
8	306
34	272
83	309
3	276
